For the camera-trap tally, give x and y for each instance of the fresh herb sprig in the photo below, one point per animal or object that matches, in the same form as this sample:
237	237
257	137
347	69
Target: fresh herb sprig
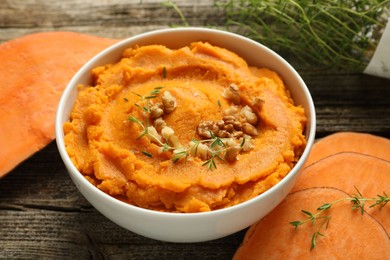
322	220
215	142
145	107
217	149
146	132
210	163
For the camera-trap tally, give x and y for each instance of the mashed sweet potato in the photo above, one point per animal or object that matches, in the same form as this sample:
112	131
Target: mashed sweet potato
107	141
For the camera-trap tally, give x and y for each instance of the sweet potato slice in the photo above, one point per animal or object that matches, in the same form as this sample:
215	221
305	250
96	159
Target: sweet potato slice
350	142
349	234
34	70
350	171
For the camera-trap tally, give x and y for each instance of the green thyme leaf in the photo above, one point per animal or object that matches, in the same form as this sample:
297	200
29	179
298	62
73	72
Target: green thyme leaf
135	120
147	154
166	147
243	142
145	132
196	146
307	213
296	223
314	239
325	206
164	72
136	94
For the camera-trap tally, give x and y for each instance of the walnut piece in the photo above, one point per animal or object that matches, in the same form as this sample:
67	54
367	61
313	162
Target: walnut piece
159	124
168	101
156	110
207	128
247	113
232	93
249	129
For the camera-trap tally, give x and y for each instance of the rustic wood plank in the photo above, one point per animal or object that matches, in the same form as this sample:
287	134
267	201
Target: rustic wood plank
116	19
350	102
83	235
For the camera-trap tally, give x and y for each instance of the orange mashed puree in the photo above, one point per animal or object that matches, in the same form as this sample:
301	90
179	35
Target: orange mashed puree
105	146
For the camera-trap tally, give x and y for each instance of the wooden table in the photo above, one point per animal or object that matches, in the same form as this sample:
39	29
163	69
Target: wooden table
42	214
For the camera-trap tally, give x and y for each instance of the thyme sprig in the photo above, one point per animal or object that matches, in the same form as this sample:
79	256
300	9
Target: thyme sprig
217	149
210	163
358	203
146	132
145	107
215	141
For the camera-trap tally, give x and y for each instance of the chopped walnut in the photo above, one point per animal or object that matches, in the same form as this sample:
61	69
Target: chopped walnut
220	124
248	115
257	102
153	132
232	152
174	141
249	129
233	149
232	93
229	119
230	142
229	128
247	143
237	125
159	124
231	124
223	134
170	137
237	134
231	111
205	127
167	133
169	102
156	110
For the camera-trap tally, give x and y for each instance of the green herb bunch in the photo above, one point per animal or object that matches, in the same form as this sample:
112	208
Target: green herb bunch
327	33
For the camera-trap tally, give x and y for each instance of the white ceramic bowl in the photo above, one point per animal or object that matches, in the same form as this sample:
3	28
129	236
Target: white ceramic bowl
188	227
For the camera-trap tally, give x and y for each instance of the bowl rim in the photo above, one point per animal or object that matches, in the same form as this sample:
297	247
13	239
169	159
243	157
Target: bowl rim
73	172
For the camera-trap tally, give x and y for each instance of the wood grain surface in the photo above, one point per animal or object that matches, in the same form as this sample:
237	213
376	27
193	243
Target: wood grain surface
43	216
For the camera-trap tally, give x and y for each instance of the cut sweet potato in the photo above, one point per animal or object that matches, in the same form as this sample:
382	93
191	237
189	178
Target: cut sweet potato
350	142
345	171
349	234
34	70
